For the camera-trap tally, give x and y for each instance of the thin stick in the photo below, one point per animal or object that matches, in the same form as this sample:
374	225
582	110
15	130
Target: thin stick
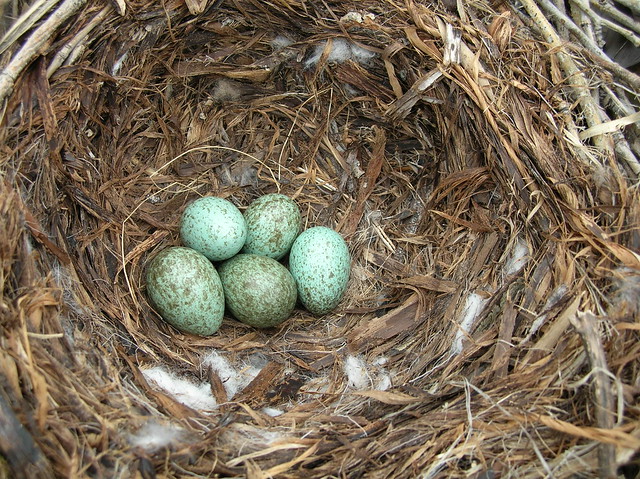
586	326
33	47
581	89
25	22
617	15
587	42
625	32
632	5
67	50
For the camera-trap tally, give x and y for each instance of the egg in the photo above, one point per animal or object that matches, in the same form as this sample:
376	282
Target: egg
214	227
273	223
259	291
320	263
184	287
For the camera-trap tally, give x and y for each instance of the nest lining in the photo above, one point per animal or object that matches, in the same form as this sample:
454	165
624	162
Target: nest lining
490	320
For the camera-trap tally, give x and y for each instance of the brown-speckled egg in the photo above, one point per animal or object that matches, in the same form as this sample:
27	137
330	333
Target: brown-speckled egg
273	223
184	287
258	290
320	263
214	227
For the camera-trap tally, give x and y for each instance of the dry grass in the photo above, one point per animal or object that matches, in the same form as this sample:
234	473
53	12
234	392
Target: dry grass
496	267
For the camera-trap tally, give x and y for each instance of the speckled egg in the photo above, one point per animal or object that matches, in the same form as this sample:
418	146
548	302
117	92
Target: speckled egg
184	287
273	223
319	262
214	227
258	290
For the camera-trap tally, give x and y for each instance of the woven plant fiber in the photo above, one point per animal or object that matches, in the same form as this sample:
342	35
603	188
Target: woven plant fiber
479	158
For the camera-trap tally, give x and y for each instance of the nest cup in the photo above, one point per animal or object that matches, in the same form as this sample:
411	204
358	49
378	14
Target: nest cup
490	325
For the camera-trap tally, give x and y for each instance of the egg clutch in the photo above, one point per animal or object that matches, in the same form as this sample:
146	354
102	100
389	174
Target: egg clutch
231	261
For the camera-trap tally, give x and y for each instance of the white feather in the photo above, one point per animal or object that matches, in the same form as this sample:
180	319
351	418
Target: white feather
518	259
271	411
472	308
153	436
355	368
280	42
194	395
341	51
234	379
383	381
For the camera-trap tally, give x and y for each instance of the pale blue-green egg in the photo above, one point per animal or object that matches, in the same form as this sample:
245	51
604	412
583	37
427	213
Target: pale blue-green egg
320	263
273	223
185	289
214	227
258	290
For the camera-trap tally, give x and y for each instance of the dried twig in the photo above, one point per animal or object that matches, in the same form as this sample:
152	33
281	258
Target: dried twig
33	47
586	325
69	52
581	88
617	15
22	25
589	43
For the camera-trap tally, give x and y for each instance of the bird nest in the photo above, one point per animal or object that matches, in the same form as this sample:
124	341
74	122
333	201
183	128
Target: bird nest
479	158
